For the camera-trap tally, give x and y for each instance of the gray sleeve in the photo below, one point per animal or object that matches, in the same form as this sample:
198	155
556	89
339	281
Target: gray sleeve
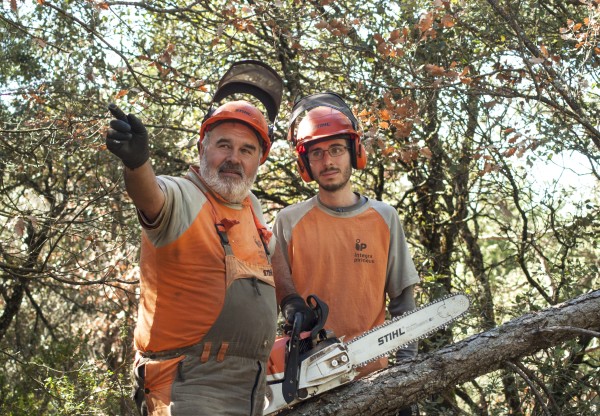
398	306
282	241
401	271
181	197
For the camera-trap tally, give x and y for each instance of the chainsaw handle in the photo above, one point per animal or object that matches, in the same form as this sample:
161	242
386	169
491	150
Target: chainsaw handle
297	326
291	377
321	311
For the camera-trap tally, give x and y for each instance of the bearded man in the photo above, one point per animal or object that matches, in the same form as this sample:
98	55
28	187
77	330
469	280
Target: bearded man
207	312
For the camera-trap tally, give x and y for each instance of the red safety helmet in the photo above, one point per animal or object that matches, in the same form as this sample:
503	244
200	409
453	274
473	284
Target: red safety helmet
327	116
322	122
243	112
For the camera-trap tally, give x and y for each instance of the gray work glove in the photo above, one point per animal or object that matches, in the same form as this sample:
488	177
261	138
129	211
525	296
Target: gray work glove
127	138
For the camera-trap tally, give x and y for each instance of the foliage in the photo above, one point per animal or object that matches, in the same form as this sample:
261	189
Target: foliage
461	103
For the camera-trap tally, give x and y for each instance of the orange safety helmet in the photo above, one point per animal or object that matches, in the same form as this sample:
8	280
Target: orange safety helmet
327	115
243	112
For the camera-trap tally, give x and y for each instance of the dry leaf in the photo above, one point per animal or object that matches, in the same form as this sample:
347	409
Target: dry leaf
322	24
434	70
426	151
425	22
387	151
447	21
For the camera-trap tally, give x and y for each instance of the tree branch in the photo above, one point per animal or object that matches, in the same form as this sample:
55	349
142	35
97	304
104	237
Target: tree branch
475	356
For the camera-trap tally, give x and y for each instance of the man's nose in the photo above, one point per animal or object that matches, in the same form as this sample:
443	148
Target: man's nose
234	156
327	158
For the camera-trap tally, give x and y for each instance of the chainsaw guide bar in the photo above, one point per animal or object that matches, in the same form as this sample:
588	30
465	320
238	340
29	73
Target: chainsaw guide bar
413	326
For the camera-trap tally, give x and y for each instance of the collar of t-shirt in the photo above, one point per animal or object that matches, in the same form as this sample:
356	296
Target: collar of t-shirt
361	201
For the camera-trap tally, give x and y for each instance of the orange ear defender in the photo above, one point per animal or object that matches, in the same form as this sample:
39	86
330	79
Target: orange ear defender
305	173
359	158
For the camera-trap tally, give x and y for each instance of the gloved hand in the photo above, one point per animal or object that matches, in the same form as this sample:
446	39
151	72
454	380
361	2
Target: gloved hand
127	138
413	410
292	304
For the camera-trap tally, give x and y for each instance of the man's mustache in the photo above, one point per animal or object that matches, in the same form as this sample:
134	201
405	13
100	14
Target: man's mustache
232	167
329	170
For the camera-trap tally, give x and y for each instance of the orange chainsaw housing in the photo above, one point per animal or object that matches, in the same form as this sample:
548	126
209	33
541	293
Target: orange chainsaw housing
277	359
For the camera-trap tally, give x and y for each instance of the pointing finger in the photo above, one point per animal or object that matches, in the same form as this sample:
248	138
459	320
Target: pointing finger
117	112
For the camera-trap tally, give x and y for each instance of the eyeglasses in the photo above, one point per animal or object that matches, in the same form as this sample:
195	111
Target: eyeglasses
334	151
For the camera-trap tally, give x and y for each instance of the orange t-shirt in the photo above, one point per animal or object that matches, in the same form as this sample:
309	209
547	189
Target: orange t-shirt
182	263
349	258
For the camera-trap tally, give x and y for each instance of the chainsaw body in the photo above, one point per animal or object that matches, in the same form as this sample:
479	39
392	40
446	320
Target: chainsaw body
321	368
306	364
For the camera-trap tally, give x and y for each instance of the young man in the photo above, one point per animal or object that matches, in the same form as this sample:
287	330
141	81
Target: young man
347	249
207	312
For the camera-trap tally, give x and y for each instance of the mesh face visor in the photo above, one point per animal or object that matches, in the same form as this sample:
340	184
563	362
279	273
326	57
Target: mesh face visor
254	78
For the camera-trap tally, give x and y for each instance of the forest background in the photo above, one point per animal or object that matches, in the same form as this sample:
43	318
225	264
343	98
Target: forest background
481	119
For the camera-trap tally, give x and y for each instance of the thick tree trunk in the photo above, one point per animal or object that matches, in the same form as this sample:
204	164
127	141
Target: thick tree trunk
455	364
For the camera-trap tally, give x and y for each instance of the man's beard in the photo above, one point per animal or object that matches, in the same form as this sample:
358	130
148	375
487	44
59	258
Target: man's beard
231	189
333	187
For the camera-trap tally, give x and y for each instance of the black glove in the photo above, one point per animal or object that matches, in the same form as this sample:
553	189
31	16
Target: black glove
127	138
293	304
413	410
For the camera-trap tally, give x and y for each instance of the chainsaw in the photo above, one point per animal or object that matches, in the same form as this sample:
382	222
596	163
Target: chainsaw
303	365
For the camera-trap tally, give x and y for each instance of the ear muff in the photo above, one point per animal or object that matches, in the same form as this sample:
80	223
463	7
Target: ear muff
360	157
304	170
359	154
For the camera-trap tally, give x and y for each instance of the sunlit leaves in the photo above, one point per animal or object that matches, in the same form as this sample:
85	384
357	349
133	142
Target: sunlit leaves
452	104
586	33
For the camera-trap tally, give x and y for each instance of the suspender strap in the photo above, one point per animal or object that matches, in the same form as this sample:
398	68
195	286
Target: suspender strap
264	234
222	351
205	352
224	239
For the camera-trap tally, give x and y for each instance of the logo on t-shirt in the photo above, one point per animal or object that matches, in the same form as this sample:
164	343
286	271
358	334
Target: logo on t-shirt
360	256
